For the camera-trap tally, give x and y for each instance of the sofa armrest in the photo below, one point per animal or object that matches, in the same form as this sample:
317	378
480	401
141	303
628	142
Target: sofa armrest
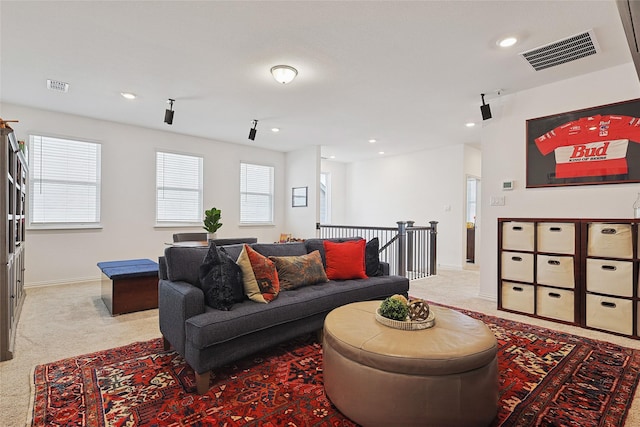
162	268
177	302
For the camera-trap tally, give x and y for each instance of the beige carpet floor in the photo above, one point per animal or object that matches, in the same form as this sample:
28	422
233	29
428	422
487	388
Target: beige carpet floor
67	320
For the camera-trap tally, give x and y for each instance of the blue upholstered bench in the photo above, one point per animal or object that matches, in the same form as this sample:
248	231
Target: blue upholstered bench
129	285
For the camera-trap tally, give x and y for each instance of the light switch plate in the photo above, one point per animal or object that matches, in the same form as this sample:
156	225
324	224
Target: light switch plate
496	201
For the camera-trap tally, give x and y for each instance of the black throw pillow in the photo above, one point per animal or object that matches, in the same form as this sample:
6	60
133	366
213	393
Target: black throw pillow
220	279
372	258
232	275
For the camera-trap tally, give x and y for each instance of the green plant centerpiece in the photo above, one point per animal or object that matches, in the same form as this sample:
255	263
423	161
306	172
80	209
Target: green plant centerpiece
395	307
212	220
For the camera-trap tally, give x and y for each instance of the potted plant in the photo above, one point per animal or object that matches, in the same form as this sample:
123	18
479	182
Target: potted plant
394	308
212	222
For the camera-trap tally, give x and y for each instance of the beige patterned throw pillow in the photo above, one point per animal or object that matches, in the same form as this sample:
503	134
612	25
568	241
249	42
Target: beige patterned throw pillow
297	271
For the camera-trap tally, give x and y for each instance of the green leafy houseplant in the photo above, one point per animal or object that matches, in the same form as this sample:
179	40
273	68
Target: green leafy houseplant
212	220
394	309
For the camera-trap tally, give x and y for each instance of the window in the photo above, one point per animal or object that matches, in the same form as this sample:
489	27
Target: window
325	198
256	194
472	198
64	186
178	189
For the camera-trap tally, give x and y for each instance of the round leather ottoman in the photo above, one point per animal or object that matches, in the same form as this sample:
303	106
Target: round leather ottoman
380	376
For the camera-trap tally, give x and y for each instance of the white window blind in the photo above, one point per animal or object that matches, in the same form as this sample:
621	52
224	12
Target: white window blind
178	188
256	194
64	182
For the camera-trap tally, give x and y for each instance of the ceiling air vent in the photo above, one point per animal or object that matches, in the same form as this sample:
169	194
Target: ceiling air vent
57	86
562	51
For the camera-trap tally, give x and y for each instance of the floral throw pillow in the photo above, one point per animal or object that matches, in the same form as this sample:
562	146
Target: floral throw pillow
259	276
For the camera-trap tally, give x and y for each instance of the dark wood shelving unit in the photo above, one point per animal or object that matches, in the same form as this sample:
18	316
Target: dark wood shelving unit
13	194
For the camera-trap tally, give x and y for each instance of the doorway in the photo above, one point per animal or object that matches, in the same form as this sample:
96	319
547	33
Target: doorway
472	218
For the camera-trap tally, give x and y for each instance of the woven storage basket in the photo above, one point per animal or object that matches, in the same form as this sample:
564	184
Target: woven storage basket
408	325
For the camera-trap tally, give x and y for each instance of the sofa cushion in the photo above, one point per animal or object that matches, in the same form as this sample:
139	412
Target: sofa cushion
215	326
233	250
296	271
345	260
220	279
259	276
372	258
318	245
183	263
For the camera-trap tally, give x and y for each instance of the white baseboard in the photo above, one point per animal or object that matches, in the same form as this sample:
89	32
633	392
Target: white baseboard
79	281
486	296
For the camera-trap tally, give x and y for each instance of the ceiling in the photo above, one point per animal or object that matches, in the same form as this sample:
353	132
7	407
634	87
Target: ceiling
408	74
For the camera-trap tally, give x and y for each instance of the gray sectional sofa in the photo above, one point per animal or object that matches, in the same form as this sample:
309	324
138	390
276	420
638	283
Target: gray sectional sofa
208	338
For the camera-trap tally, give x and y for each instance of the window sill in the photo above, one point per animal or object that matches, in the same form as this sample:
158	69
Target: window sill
180	225
62	227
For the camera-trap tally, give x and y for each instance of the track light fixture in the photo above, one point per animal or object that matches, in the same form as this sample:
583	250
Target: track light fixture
485	109
253	131
168	114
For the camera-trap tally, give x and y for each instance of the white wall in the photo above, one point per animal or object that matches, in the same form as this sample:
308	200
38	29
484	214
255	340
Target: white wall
337	175
503	157
423	186
128	194
303	170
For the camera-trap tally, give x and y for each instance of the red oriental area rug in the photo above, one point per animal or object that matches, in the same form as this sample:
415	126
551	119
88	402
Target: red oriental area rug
547	378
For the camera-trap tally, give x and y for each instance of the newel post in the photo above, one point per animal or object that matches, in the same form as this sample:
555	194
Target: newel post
433	233
402	238
409	246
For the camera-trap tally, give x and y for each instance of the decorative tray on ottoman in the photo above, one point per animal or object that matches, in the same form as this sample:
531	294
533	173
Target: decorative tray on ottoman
407	325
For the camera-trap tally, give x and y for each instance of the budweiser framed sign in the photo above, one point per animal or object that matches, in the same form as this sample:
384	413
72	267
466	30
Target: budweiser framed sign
599	145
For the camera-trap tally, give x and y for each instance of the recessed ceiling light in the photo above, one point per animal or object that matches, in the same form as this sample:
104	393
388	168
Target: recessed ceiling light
507	41
372	141
128	95
275	129
332	157
470	124
380	152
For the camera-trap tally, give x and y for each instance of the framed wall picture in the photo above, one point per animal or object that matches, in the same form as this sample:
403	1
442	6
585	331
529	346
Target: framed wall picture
298	197
599	145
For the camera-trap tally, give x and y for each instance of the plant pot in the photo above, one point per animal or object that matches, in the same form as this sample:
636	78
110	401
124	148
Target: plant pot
211	236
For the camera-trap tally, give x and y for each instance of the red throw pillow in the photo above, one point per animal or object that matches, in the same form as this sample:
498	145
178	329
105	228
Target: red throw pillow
345	260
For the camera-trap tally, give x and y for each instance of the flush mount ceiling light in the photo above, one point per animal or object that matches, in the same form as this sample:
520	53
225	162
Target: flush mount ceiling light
284	73
128	95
